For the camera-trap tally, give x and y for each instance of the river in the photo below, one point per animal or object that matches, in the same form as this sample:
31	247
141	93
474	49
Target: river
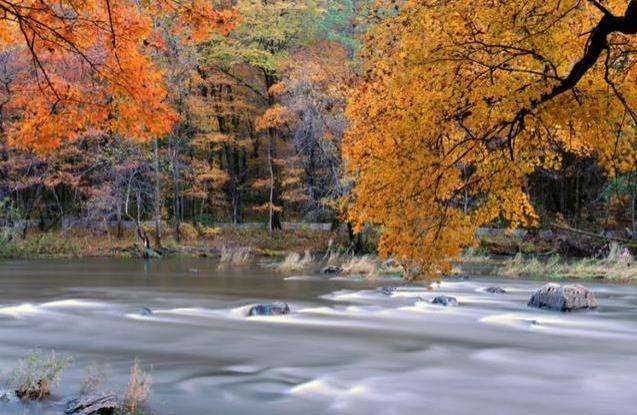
345	348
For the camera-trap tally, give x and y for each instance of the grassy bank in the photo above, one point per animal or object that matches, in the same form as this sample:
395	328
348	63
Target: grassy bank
616	264
303	250
200	242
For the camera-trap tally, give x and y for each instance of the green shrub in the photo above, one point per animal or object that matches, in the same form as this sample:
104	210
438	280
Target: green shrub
36	375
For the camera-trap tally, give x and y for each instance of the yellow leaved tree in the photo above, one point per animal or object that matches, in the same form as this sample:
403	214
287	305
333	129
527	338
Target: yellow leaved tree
458	102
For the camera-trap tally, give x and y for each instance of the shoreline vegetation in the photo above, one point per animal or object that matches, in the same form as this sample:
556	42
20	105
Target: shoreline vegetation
38	375
304	248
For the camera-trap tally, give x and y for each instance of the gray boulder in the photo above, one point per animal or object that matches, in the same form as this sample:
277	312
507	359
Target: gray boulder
331	270
93	404
388	291
496	290
146	312
274	309
445	300
563	298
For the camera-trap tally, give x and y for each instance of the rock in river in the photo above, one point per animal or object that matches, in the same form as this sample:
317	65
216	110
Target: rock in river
445	301
387	290
93	404
563	298
331	270
145	311
496	290
274	309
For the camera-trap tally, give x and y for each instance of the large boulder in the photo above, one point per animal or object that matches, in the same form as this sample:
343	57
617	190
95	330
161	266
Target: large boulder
274	309
93	404
563	298
445	300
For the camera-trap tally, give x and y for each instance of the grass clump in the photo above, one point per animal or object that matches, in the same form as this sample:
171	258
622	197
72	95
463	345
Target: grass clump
365	265
137	394
36	375
618	265
473	255
295	262
235	256
188	232
208	232
94	377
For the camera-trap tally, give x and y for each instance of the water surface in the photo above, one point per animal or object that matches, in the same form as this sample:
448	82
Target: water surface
345	349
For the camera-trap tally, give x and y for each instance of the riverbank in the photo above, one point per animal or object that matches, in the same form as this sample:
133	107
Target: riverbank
510	256
206	242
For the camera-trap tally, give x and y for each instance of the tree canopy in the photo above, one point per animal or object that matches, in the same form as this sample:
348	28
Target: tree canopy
82	66
459	102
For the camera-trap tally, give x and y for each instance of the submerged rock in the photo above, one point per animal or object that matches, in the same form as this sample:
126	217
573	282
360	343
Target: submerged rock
563	298
274	309
445	301
93	404
496	290
331	270
145	311
387	290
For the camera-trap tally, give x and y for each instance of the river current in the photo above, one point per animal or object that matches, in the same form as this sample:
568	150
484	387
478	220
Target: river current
346	348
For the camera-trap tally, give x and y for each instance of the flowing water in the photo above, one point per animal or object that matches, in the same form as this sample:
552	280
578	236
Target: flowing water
345	348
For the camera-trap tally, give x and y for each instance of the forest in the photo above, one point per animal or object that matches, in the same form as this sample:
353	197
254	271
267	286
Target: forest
348	207
352	113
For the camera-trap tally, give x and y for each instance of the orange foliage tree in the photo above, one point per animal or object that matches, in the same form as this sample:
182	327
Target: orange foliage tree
84	67
460	101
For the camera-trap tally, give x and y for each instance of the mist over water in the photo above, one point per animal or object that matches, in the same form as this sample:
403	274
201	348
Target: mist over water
345	348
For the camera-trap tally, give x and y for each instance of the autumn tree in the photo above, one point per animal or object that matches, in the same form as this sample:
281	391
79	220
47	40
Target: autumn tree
268	32
86	67
462	98
312	94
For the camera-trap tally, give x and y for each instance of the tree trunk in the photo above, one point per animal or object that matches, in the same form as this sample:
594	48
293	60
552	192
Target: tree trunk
176	189
120	232
157	196
274	217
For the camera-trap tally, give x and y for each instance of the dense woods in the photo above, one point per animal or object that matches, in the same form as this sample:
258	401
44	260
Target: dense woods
426	119
205	113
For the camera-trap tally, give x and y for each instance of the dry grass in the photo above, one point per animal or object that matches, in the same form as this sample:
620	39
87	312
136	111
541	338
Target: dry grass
137	393
618	265
94	377
366	266
295	262
208	232
473	255
235	256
